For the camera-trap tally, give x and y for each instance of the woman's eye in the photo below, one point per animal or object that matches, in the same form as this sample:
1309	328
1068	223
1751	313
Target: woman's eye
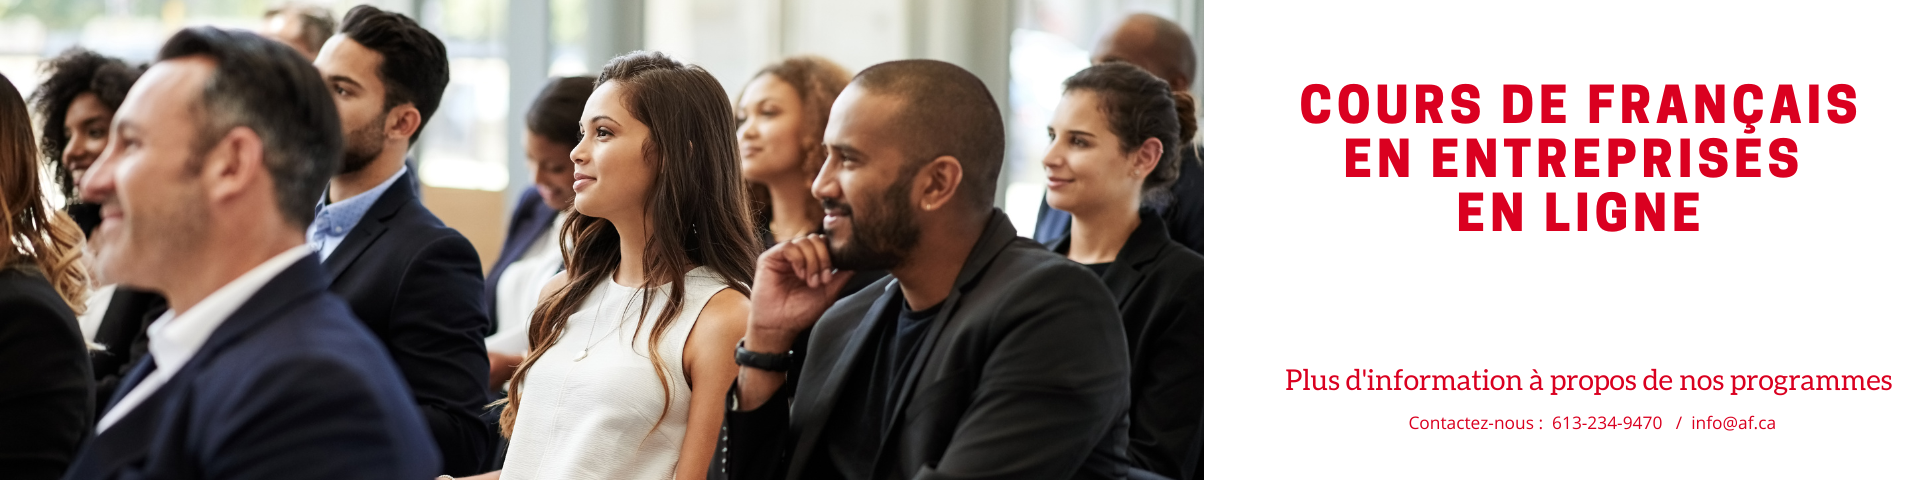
601	132
1079	142
97	133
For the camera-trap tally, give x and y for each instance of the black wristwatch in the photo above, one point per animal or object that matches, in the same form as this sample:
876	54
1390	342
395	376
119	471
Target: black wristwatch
772	362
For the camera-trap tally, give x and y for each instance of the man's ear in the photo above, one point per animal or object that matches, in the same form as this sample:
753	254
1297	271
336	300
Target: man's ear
938	182
234	162
403	121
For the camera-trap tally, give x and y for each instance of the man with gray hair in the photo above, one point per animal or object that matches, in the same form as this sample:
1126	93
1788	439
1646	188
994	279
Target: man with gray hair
205	188
301	26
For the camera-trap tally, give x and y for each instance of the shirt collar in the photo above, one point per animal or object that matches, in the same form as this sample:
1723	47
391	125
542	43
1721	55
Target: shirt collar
337	218
175	336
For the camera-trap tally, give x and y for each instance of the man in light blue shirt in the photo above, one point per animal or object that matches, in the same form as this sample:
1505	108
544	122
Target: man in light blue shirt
409	278
332	221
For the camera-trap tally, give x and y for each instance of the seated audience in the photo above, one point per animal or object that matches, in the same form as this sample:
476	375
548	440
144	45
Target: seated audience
415	282
1115	135
46	387
76	105
983	355
633	344
1160	47
257	371
531	254
782	115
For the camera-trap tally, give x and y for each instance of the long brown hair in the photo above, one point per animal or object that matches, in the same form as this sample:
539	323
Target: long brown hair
818	81
32	228
698	208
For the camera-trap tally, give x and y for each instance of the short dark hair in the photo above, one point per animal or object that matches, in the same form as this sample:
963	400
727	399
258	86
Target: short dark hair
74	72
316	22
265	85
413	62
555	113
948	111
1139	106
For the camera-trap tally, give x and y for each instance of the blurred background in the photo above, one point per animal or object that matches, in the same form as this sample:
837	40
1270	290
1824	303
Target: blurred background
502	51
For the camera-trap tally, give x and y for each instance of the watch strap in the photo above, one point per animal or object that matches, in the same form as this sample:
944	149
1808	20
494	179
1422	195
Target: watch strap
772	362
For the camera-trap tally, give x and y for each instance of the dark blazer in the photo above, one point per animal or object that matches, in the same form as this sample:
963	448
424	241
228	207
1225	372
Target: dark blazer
1184	213
1022	374
416	284
289	386
123	334
1159	287
531	217
46	384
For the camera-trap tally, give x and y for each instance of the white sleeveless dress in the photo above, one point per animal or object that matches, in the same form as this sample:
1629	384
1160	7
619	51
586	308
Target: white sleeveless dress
593	417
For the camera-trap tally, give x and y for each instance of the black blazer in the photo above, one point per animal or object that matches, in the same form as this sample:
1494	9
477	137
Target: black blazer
1185	213
123	336
416	284
46	384
1159	287
289	386
1022	374
530	218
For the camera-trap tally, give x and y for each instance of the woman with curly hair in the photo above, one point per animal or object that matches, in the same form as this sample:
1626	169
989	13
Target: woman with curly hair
46	387
76	106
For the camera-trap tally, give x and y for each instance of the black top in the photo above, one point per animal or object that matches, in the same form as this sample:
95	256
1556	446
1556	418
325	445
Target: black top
1184	215
1158	286
1021	374
416	284
289	386
46	385
852	446
122	336
1099	268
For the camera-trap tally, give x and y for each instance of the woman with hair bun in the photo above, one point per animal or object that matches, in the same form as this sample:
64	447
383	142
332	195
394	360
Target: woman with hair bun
1115	142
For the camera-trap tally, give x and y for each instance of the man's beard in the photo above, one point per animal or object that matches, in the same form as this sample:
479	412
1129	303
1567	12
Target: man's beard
363	145
882	240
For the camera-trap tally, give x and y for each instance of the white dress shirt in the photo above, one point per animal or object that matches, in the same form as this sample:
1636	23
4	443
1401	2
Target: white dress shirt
174	338
97	301
518	292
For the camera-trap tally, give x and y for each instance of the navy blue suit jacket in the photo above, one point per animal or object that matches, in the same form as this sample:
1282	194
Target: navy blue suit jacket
291	386
530	217
416	284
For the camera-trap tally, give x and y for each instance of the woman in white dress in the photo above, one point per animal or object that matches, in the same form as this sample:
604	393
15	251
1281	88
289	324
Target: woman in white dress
632	347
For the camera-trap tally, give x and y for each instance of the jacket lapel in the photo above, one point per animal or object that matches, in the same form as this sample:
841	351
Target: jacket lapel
993	240
132	438
820	404
1142	248
370	226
